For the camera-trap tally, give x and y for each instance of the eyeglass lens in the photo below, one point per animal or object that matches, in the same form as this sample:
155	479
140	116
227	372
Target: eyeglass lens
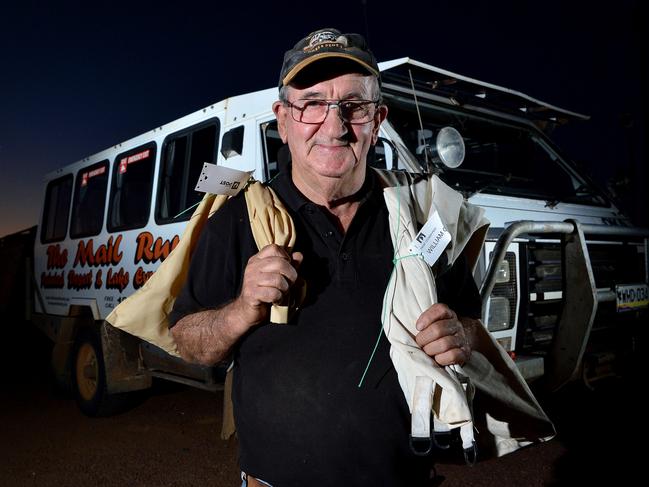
315	111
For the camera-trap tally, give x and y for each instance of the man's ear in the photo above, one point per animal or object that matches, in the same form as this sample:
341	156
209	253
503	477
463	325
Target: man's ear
281	112
379	116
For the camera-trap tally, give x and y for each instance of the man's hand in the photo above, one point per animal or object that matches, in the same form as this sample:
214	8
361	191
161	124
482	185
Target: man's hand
442	336
267	278
207	337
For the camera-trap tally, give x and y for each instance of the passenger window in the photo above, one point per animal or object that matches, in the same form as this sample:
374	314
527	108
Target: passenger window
130	193
183	155
56	209
89	200
276	154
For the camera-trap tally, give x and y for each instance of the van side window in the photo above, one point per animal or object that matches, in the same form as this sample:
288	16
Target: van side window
276	154
130	192
89	200
56	209
183	155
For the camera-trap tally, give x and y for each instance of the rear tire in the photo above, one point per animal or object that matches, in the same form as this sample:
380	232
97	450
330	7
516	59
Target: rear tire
89	378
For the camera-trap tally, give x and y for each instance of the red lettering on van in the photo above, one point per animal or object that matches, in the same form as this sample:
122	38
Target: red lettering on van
107	254
78	281
118	280
141	277
98	281
149	250
52	280
56	259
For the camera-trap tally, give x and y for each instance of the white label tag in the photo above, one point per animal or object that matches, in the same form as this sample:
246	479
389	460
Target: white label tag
221	180
431	240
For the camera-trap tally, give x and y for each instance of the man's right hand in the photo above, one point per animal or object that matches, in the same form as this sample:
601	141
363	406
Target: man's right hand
207	337
266	280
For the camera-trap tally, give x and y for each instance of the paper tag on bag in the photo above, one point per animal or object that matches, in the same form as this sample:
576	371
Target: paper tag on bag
431	240
221	180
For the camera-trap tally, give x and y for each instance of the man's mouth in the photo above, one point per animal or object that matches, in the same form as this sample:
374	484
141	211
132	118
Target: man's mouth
332	147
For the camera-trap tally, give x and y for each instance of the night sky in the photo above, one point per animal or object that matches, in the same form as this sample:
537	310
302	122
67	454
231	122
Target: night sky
76	78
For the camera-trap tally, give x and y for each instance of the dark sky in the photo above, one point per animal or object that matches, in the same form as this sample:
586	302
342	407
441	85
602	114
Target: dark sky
78	77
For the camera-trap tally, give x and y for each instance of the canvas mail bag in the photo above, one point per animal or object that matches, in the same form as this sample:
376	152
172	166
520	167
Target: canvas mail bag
509	415
145	313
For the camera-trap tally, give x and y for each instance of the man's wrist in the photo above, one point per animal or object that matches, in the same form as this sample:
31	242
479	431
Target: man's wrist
235	315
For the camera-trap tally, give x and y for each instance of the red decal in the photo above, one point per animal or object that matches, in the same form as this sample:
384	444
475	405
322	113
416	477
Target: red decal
118	280
98	281
141	277
79	281
108	254
97	172
138	157
52	280
149	250
55	258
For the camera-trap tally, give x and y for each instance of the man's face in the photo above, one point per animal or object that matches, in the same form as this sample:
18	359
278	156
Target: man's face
333	148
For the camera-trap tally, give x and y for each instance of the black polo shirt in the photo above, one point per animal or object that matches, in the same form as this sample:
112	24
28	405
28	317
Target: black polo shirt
301	416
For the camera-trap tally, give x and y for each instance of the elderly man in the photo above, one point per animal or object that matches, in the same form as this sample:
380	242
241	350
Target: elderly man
300	415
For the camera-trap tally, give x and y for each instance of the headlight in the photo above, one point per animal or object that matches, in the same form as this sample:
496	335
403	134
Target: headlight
503	301
499	314
502	273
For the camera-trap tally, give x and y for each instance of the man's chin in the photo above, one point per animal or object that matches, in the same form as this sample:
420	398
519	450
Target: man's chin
336	169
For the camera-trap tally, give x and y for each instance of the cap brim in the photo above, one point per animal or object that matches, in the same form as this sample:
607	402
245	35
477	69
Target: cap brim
316	57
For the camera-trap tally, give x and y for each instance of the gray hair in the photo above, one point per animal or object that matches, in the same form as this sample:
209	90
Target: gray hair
375	92
283	94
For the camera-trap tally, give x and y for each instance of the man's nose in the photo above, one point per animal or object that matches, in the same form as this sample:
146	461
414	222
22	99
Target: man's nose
335	122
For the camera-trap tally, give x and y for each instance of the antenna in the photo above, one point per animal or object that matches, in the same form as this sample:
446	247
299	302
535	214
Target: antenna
367	25
421	125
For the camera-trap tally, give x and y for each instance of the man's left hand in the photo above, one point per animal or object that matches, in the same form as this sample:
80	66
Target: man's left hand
442	336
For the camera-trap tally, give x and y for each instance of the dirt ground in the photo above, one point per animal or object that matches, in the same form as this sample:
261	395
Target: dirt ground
171	437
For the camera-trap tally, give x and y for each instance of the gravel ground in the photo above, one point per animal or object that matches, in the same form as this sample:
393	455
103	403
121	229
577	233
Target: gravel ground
171	437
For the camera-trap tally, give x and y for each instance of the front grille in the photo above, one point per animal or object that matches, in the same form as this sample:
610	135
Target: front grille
616	264
611	264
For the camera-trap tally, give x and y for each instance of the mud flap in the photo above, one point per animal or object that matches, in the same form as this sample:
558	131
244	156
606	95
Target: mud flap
122	362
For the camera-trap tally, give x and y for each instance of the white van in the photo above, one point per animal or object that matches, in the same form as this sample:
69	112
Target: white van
563	273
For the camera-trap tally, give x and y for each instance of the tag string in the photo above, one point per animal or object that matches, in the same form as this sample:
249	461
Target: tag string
187	209
396	258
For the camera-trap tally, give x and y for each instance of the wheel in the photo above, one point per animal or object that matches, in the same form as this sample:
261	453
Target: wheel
89	377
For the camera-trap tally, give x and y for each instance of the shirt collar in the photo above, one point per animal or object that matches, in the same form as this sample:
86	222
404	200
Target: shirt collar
283	185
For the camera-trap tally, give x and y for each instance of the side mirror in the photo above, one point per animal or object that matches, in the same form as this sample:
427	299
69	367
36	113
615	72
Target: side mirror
232	143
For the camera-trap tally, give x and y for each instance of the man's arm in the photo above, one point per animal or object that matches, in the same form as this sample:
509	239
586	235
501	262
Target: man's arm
207	337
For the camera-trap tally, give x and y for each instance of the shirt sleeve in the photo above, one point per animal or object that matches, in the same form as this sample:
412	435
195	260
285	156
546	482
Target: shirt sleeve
458	290
217	264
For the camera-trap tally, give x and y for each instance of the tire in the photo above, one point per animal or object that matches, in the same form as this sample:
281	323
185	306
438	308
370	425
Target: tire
89	378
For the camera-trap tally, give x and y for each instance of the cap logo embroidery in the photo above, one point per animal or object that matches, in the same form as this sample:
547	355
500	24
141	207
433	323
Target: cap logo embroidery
326	39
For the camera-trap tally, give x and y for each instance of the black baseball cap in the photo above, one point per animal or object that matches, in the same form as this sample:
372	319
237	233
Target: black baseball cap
327	44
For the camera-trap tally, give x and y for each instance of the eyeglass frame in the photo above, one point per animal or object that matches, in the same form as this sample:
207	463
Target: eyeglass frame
330	103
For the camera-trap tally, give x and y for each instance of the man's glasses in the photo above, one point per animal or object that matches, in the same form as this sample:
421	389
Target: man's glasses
315	111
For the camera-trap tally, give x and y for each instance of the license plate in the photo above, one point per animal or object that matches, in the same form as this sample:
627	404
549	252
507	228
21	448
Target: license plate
632	297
